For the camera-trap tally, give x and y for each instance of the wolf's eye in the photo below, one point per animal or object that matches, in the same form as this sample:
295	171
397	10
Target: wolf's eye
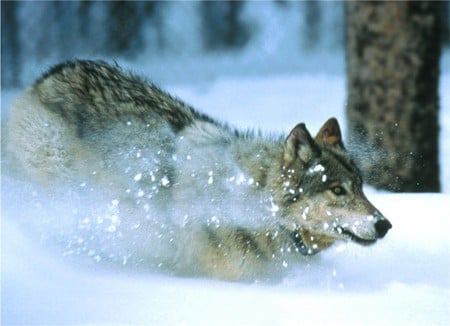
338	191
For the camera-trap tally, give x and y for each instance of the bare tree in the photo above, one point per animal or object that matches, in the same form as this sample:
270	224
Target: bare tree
222	26
393	51
125	21
10	58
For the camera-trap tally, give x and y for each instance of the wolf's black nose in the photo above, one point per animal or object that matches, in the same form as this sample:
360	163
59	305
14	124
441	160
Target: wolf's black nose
382	227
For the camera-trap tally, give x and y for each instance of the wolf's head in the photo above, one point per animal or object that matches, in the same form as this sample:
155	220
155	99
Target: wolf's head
319	192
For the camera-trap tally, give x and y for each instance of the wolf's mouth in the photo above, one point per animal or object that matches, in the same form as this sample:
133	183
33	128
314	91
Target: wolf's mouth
353	237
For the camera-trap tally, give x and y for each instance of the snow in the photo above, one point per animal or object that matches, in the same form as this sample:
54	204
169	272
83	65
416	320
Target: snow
402	280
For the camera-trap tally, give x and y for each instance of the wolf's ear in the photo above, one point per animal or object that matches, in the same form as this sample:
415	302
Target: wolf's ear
330	134
299	144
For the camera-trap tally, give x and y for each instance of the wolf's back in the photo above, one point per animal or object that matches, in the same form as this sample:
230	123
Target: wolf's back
94	90
84	113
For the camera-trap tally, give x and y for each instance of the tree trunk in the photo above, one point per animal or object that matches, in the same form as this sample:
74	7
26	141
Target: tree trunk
312	24
222	27
393	51
124	24
10	50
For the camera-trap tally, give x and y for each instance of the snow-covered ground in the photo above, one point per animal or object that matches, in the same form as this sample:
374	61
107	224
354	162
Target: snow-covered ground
402	280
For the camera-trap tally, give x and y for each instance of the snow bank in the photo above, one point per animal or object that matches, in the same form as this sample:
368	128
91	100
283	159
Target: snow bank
401	280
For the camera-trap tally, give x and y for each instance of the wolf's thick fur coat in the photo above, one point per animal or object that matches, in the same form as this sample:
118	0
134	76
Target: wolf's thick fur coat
242	205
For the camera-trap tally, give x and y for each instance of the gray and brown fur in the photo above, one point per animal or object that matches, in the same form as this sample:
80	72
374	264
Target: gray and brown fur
242	205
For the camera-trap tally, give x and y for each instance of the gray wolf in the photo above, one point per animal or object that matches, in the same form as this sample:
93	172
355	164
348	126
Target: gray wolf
240	205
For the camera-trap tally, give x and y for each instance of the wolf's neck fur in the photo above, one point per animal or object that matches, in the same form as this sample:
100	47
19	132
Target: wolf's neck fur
237	163
257	156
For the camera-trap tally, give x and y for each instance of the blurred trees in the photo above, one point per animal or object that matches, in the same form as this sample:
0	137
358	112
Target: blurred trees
393	51
40	33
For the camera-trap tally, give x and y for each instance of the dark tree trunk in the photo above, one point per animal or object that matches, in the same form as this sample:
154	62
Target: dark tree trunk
222	28
125	24
445	21
10	52
393	51
312	24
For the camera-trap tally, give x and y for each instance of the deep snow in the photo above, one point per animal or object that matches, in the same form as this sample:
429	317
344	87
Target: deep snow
402	280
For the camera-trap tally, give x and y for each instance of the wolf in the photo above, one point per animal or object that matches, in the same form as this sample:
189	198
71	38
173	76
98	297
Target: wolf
241	205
